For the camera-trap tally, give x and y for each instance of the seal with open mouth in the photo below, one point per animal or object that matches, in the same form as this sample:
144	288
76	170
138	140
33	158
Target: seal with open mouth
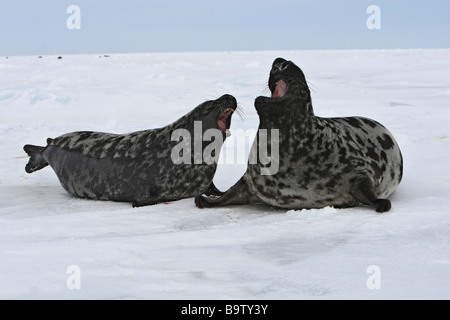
340	162
138	167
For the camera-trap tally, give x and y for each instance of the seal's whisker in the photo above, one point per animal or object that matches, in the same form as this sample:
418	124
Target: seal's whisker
295	84
240	112
311	85
266	90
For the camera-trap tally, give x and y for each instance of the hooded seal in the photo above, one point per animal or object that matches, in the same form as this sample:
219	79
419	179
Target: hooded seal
340	162
145	167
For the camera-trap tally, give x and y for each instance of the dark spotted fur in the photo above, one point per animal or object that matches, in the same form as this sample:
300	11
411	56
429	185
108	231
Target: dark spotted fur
340	162
135	167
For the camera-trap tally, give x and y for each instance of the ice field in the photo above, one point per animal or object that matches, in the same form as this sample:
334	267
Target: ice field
54	246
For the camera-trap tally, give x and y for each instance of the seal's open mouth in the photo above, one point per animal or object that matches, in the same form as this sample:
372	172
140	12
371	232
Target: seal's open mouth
279	89
224	120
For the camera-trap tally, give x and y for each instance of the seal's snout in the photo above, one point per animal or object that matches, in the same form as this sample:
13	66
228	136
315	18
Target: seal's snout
278	84
228	100
287	78
228	105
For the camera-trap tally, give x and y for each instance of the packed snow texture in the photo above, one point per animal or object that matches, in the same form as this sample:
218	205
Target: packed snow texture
53	245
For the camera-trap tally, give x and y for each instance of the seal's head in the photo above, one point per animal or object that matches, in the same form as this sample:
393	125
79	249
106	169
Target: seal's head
226	106
213	114
287	79
290	99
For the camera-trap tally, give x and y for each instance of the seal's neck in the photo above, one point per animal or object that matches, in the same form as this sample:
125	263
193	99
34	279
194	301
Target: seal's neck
198	114
282	113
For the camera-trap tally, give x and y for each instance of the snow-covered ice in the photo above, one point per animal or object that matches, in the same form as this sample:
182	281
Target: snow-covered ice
176	251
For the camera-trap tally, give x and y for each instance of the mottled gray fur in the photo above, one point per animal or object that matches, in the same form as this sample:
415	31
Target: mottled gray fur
340	162
135	167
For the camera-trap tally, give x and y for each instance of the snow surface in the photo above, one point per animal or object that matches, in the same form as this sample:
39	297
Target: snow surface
176	251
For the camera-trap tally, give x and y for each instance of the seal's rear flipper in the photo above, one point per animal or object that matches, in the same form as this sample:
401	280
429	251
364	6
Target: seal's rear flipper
363	192
36	161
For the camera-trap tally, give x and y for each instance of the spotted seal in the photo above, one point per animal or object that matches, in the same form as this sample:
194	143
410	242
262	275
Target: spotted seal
340	162
141	167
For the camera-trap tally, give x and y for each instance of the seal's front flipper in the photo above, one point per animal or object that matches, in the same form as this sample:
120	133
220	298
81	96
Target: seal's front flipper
147	202
236	195
36	161
137	204
213	191
363	192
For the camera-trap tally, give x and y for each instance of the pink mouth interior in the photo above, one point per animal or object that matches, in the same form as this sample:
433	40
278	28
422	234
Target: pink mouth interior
222	120
280	89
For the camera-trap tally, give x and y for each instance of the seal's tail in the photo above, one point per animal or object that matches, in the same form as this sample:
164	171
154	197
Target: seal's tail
36	161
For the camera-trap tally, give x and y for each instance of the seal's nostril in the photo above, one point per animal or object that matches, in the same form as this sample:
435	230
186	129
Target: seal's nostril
277	67
280	67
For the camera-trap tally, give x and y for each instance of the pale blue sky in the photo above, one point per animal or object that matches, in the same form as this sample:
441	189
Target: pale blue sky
38	27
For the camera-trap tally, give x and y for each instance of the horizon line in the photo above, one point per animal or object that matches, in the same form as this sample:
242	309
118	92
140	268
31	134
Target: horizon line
106	54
